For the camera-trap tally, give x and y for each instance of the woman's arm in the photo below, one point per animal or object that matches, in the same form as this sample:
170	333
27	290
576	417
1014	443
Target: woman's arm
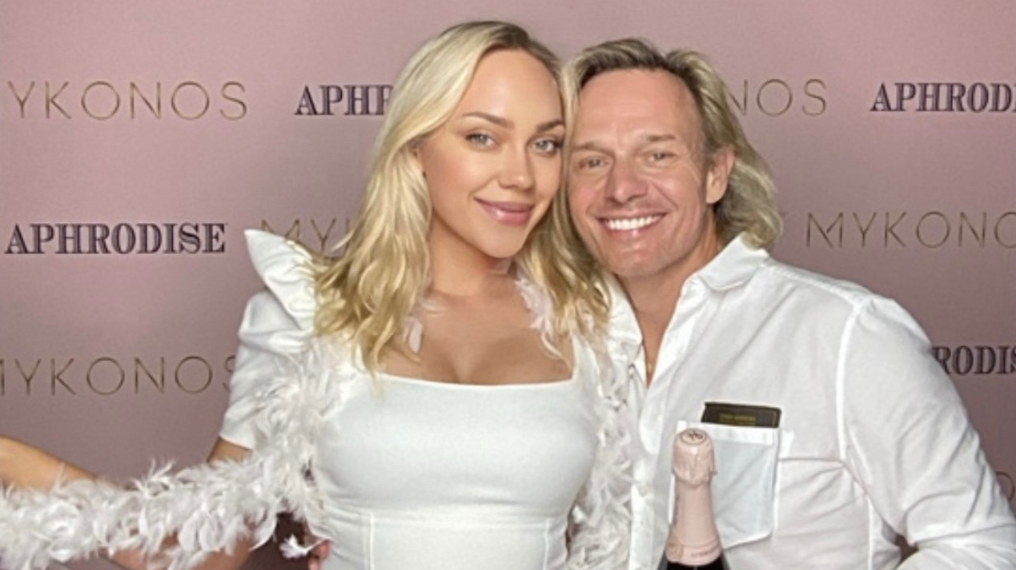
223	450
27	467
23	466
274	408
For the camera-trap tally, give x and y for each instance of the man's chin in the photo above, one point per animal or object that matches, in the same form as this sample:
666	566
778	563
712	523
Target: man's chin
627	268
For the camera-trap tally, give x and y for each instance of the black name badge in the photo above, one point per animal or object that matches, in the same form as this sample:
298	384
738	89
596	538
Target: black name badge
742	415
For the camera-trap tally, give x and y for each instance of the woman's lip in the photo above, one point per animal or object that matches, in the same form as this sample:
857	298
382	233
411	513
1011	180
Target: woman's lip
509	213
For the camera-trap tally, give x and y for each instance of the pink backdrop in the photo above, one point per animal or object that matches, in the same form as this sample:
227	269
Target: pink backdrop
201	119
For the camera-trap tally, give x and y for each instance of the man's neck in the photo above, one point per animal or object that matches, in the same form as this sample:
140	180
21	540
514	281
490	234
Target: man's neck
654	297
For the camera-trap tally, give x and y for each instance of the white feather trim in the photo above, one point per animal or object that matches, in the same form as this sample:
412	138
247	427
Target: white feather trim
601	519
600	525
542	309
177	519
292	548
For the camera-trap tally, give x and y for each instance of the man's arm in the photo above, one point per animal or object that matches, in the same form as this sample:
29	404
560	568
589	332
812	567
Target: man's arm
908	440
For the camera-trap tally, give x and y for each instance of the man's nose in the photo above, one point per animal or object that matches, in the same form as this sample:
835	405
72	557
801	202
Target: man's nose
517	170
624	183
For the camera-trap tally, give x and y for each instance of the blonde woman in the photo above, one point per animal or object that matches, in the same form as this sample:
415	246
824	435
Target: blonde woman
439	381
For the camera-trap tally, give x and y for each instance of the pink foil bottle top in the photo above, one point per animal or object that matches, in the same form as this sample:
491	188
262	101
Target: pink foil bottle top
693	539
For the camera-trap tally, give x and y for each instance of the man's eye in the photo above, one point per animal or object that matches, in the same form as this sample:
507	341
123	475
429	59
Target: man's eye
588	163
660	156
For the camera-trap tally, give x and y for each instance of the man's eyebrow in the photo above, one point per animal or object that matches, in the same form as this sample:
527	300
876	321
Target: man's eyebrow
590	145
499	121
544	127
658	138
644	139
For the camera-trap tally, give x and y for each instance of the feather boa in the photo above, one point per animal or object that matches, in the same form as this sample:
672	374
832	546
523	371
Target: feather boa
177	519
600	522
600	532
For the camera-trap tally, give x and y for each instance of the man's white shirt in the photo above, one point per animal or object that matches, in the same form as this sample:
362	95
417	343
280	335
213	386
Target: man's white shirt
873	439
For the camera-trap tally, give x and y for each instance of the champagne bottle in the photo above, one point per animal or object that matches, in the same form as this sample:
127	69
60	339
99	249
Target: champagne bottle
693	542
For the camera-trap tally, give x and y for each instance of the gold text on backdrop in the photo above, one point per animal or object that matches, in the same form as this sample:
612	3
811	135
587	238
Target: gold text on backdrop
930	229
102	100
109	375
326	233
353	99
775	97
122	238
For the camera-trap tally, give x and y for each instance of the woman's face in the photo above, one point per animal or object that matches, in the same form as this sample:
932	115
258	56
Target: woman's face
493	168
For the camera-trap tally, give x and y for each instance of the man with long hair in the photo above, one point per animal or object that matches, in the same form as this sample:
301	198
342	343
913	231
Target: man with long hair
835	429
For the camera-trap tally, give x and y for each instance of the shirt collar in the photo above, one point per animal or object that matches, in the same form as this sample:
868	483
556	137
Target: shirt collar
732	267
623	324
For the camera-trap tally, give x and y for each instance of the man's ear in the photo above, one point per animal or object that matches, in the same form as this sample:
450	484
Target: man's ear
720	165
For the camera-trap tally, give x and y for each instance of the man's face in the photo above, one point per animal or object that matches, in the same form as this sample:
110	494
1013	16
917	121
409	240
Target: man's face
639	186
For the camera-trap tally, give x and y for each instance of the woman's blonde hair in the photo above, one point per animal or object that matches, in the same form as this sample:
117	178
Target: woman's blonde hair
749	204
384	269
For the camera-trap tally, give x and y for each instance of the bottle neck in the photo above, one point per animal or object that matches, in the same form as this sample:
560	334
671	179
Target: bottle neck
693	539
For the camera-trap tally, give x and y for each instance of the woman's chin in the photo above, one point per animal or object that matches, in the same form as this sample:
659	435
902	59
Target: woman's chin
502	252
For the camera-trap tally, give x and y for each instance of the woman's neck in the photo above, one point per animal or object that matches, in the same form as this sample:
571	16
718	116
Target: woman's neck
458	270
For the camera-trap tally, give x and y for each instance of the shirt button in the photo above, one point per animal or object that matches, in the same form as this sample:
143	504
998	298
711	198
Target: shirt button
643	489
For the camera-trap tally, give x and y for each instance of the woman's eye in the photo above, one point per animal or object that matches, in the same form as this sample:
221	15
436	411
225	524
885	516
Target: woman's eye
548	146
480	139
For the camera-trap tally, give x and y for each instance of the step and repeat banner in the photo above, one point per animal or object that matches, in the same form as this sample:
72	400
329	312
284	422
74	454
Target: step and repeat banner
139	139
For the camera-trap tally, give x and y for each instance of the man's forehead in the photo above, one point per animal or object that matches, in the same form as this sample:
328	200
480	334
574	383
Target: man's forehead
641	85
635	104
649	135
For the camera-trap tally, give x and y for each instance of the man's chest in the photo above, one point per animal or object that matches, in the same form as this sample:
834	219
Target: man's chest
735	376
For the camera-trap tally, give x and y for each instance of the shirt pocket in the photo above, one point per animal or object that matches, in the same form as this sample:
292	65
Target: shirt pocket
744	486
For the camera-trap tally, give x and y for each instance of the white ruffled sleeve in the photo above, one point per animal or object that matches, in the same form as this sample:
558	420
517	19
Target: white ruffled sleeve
278	322
278	393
